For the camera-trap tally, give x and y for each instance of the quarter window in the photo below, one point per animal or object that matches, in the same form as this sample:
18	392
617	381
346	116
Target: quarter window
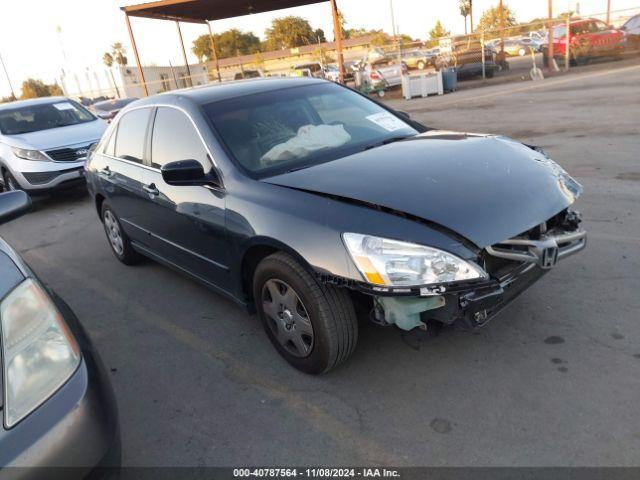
175	138
130	139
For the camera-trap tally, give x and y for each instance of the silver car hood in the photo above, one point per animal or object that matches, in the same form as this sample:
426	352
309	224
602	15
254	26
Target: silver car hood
58	137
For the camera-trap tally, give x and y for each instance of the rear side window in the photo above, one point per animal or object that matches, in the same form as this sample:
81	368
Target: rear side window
110	144
175	138
130	137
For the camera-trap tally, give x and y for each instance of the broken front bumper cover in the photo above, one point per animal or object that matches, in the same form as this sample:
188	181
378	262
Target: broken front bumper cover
474	303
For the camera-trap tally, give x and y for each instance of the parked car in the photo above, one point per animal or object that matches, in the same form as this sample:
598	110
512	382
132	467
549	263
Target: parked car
589	38
108	109
385	71
248	74
306	201
631	28
44	143
57	405
418	59
466	58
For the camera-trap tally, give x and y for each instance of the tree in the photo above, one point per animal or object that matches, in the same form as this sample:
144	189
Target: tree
438	31
379	38
318	34
289	32
33	88
228	44
119	54
490	19
465	10
108	60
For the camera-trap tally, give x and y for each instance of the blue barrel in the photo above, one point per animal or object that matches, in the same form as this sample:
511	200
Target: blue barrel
449	79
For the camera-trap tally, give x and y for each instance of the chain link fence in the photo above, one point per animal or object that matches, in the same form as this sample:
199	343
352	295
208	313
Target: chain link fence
516	51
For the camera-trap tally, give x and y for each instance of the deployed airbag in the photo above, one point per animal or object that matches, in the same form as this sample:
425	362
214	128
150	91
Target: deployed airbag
310	138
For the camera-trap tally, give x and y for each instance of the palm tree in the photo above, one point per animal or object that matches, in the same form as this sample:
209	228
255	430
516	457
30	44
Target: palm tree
107	58
119	54
465	10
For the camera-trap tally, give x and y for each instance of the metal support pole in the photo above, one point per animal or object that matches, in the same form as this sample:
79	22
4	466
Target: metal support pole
550	29
143	82
567	43
13	94
608	12
184	54
337	32
501	30
484	68
214	53
471	16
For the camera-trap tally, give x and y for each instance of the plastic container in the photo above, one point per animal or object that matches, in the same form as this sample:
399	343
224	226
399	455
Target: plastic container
449	79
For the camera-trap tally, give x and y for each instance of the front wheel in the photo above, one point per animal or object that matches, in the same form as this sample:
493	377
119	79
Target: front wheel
10	183
312	325
421	65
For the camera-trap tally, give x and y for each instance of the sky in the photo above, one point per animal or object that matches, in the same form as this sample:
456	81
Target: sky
40	37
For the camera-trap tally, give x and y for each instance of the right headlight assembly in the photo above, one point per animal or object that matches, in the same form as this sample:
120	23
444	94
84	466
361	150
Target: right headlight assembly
39	352
393	263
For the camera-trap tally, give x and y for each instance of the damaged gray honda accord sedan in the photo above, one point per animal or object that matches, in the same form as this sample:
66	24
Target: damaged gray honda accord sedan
311	204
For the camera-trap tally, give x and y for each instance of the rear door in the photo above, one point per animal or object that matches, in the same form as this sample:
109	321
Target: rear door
121	171
187	223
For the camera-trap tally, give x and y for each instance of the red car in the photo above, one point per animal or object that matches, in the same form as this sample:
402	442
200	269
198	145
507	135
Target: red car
588	38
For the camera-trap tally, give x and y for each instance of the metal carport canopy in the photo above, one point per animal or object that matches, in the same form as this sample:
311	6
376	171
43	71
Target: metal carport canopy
201	11
205	11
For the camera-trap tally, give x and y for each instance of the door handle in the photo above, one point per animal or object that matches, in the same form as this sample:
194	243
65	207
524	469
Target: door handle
151	189
106	171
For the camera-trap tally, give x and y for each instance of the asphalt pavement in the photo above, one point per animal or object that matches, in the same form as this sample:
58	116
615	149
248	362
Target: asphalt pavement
552	381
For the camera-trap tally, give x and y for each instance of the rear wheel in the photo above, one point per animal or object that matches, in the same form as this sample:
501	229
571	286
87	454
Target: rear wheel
118	239
421	65
312	325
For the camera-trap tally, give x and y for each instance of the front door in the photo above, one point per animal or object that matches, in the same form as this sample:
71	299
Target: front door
187	223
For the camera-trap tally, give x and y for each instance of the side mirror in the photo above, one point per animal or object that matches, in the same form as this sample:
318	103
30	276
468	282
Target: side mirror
187	172
404	115
13	205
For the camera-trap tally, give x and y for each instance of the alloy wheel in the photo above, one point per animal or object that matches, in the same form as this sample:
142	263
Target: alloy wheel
113	232
287	318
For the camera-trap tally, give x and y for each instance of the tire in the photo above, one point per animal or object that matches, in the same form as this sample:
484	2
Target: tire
312	325
421	65
489	73
522	52
10	183
122	248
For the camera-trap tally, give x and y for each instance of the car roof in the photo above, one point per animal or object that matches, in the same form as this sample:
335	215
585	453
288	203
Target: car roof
30	102
222	91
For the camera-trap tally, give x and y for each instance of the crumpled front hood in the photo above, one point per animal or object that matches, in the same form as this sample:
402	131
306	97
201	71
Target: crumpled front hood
485	188
59	137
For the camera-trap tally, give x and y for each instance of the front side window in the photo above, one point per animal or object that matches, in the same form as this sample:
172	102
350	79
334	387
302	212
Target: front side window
175	138
44	116
130	138
273	132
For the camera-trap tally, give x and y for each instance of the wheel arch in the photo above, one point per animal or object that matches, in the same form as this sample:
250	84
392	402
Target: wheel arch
254	252
99	200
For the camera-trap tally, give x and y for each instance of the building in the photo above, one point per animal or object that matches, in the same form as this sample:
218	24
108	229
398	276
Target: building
279	62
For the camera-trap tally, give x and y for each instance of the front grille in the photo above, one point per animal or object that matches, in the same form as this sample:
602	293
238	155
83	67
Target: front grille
542	245
69	154
39	178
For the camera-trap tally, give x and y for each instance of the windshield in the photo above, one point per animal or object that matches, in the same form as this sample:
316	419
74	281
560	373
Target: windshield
44	116
278	131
